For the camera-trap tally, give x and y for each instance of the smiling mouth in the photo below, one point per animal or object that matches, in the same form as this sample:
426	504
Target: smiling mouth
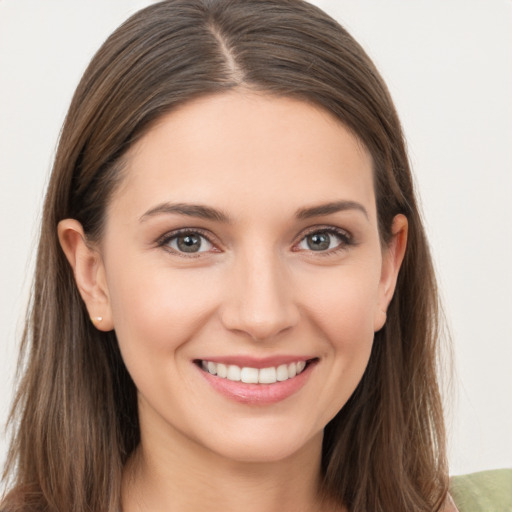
248	375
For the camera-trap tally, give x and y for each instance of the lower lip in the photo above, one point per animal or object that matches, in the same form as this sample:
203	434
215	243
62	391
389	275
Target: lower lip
259	394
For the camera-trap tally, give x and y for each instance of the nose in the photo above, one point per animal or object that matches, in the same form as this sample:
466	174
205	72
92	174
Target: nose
260	300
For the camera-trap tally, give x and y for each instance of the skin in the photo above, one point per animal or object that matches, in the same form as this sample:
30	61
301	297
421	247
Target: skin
257	288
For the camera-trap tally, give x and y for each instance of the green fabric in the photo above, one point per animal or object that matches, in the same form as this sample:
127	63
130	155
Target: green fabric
488	491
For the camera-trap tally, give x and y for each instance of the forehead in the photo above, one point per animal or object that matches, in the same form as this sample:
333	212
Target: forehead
247	149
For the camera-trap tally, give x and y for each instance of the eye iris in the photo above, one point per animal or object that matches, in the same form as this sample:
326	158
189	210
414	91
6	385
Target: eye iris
189	243
318	241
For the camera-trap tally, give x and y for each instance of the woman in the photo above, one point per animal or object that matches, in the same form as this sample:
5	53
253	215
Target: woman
234	303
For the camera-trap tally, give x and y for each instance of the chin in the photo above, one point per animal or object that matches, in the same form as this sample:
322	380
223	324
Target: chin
264	443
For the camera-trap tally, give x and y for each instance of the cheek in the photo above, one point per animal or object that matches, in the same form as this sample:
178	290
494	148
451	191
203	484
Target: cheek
343	304
342	309
155	311
348	326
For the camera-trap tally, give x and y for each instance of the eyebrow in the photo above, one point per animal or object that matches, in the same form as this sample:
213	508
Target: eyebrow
191	210
330	208
209	213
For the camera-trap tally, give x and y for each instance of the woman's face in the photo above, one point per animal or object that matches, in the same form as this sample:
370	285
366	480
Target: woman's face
243	244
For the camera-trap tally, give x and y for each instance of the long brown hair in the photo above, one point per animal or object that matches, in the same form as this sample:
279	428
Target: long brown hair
75	415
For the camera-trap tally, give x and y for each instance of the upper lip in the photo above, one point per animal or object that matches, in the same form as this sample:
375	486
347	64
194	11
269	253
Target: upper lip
257	362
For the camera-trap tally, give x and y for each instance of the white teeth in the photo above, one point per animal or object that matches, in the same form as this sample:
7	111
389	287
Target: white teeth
249	375
212	368
282	373
233	372
267	376
222	370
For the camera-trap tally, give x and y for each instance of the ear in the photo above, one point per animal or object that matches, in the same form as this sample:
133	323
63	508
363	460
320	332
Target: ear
89	272
392	257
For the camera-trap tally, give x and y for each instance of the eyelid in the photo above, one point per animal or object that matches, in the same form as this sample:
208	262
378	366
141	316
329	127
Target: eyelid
164	240
346	237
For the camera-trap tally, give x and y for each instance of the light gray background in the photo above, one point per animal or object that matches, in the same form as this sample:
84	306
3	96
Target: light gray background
448	64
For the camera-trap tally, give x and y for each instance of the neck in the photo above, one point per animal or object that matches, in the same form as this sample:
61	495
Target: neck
179	475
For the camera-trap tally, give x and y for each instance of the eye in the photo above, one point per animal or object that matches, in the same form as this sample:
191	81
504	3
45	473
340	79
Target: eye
189	242
324	240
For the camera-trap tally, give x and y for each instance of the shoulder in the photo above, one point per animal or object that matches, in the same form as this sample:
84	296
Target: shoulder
487	491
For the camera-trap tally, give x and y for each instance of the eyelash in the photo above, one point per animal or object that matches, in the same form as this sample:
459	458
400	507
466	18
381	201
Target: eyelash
166	239
345	237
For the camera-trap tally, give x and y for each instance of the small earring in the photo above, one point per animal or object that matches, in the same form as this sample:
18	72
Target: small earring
95	319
